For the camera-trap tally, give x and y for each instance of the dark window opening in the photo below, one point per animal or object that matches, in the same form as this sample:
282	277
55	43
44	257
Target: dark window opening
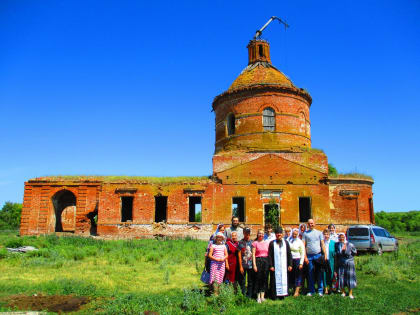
231	124
195	209
304	209
126	209
238	208
272	214
161	203
372	216
261	50
269	119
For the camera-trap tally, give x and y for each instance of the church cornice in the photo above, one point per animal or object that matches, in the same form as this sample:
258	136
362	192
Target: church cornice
260	88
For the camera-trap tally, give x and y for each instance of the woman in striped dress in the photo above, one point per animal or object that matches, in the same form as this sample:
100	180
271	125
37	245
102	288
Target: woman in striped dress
344	265
218	256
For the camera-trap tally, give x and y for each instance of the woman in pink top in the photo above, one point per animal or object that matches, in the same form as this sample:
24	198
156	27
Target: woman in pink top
260	264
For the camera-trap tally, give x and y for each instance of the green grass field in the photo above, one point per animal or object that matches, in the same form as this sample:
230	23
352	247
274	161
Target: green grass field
133	276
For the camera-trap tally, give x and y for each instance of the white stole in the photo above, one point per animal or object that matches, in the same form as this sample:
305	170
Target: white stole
280	268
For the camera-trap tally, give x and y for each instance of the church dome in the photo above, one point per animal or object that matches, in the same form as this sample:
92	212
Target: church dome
260	73
262	110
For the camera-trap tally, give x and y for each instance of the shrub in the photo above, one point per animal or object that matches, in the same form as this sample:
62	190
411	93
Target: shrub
78	255
10	216
43	252
71	286
3	253
14	243
193	300
225	300
166	277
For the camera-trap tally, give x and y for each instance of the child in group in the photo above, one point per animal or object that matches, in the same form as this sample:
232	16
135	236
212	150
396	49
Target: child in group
218	256
269	235
220	228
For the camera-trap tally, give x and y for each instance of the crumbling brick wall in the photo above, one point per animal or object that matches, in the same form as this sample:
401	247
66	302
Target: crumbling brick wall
351	200
38	213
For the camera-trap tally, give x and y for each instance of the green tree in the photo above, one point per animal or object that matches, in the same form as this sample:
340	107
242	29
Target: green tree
399	221
10	215
332	171
272	213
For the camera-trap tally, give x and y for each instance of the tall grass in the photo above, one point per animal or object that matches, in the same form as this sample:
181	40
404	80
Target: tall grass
132	276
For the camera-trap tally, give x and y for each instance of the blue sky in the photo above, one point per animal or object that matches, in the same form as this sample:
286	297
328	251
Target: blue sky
125	87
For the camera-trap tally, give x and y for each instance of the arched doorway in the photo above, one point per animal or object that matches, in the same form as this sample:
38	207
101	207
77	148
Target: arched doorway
64	203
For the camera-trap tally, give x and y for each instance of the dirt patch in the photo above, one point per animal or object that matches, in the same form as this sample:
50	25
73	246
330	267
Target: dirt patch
52	303
414	310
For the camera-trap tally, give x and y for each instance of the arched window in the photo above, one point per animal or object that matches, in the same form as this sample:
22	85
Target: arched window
269	119
231	124
302	123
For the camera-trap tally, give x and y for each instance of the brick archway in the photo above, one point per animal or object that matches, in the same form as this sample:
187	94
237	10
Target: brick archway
64	202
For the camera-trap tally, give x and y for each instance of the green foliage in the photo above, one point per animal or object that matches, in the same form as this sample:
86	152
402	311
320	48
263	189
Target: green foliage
198	217
166	277
14	243
399	221
355	175
332	171
400	265
10	216
272	214
3	253
193	300
225	300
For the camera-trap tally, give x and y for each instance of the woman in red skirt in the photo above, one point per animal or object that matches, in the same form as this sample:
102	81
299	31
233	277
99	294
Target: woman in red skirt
232	246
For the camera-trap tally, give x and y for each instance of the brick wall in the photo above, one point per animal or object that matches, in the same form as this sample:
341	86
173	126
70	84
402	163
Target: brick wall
292	121
38	213
351	201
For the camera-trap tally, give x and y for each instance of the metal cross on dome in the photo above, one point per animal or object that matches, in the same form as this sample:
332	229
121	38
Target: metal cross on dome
259	32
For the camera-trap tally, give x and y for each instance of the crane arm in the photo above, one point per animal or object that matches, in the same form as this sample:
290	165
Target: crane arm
259	32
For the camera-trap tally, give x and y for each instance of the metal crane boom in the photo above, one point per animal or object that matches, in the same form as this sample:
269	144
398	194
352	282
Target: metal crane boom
259	32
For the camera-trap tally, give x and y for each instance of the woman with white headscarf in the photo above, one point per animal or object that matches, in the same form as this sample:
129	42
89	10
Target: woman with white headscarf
297	249
344	265
302	229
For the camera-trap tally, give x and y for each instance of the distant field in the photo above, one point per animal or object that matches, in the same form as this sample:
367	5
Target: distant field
130	277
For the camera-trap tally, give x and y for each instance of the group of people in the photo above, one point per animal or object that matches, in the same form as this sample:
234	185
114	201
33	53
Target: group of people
276	264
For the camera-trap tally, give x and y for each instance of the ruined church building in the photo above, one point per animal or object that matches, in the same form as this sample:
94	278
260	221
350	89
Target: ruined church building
262	154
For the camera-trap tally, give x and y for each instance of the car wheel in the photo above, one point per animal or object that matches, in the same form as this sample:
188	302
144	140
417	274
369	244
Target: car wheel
379	251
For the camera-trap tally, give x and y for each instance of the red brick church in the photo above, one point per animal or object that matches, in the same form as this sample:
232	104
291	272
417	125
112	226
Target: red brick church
262	156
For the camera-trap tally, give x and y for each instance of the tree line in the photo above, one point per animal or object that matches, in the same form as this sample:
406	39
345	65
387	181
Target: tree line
10	216
399	221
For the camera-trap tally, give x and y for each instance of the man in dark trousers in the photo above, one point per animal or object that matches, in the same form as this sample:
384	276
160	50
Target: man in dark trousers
314	248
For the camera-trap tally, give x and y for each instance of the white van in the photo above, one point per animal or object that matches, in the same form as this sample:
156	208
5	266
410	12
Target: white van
371	238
